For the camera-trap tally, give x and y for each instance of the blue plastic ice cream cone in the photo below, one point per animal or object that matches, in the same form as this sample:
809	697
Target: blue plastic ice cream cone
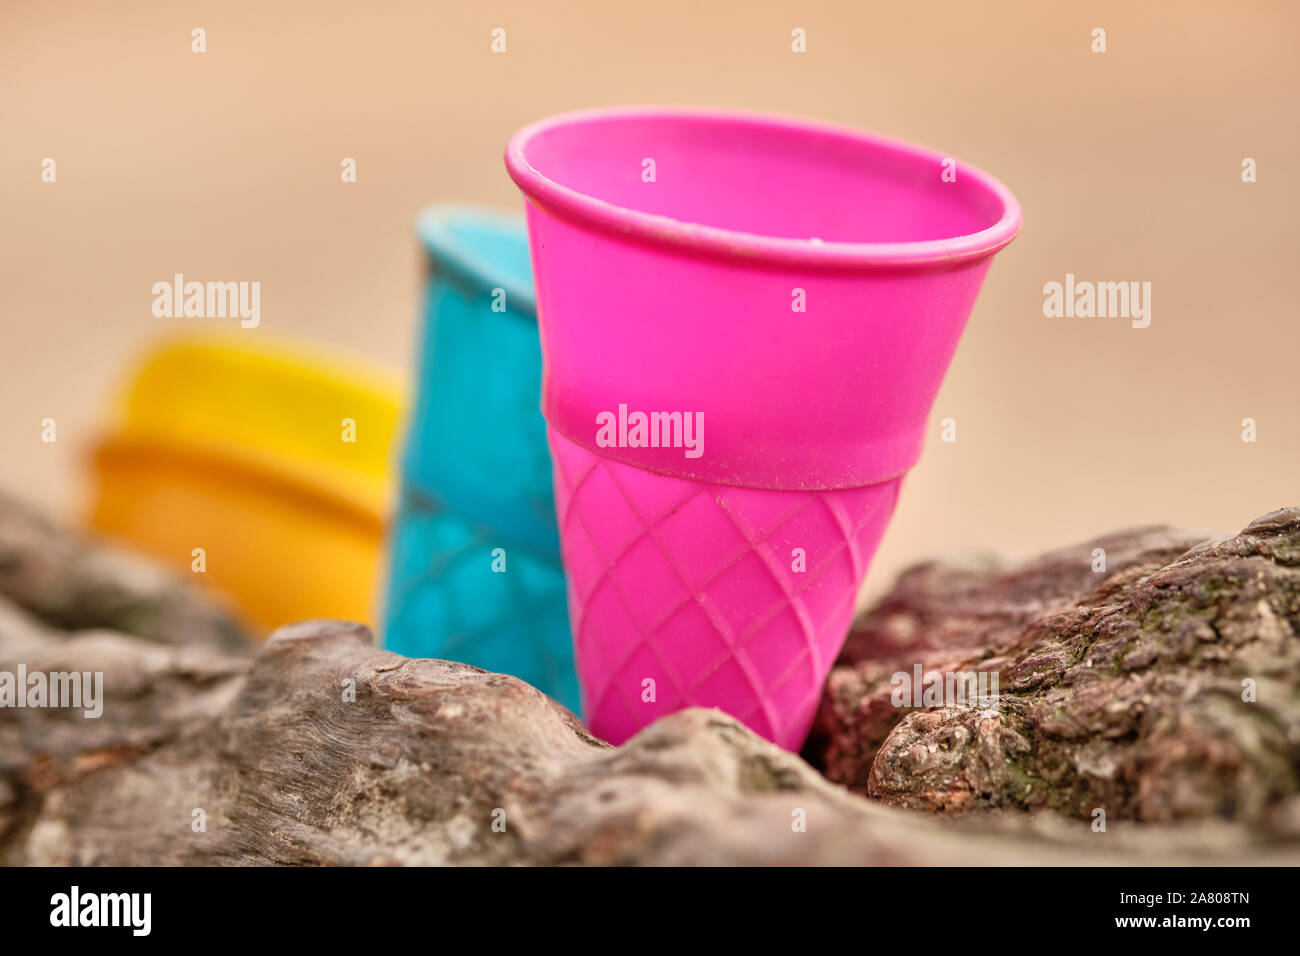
475	573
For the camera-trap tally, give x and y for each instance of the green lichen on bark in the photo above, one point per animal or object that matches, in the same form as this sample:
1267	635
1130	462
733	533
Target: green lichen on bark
1127	690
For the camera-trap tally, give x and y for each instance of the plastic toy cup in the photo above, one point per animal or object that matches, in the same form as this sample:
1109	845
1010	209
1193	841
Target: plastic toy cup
475	572
745	320
273	460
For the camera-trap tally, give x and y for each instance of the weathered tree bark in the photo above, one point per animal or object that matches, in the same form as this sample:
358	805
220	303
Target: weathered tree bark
1164	688
318	748
63	582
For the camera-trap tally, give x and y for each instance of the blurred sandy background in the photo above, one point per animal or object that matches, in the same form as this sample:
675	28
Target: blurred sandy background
226	166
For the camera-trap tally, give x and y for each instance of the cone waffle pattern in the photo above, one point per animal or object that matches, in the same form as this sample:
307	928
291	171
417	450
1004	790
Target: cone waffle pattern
695	587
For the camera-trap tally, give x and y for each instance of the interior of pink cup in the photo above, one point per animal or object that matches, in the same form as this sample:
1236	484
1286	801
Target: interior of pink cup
760	178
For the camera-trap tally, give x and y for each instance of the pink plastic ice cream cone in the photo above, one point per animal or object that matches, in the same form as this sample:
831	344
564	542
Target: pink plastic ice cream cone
744	322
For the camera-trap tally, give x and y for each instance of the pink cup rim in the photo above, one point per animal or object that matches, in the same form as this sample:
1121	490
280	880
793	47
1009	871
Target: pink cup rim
738	245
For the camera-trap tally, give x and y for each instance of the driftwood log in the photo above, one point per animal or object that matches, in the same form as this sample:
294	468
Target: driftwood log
1120	690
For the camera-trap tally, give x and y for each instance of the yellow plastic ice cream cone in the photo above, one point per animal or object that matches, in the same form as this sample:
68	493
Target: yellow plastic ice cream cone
263	470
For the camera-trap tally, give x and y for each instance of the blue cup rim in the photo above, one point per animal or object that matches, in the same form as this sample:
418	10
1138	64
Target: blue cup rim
436	227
